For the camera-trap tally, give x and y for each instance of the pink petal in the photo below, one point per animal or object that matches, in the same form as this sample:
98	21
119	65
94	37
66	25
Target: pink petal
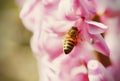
60	27
87	8
29	7
37	50
72	11
96	27
32	14
80	77
71	62
100	45
29	14
97	72
48	71
52	44
50	4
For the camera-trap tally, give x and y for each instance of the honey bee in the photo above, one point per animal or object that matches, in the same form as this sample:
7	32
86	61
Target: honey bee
70	40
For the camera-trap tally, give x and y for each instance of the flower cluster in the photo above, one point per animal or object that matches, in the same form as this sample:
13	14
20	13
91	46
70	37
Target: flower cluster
50	20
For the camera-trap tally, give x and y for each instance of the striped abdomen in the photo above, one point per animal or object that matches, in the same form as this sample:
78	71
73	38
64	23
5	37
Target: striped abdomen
69	45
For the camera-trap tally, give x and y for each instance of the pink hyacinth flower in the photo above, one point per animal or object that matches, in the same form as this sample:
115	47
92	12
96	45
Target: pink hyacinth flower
49	20
57	19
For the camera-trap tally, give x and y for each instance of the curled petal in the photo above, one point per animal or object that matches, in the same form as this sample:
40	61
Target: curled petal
100	45
96	27
26	14
97	72
52	45
31	14
29	7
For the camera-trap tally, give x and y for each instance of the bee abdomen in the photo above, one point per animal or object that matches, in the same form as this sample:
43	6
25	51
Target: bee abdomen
68	46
